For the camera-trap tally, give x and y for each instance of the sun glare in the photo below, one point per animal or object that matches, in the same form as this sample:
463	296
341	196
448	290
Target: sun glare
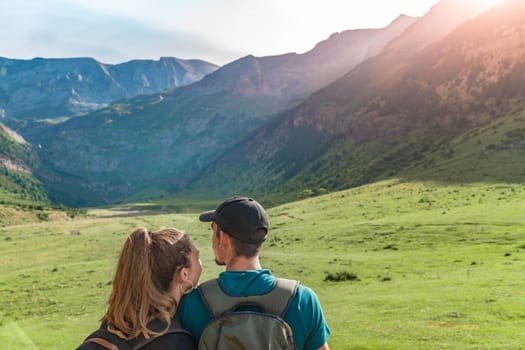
492	3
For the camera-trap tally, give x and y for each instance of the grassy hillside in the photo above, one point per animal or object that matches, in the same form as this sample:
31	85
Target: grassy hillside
397	265
491	152
23	198
17	162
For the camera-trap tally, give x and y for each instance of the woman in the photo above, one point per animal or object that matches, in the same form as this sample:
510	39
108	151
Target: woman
154	271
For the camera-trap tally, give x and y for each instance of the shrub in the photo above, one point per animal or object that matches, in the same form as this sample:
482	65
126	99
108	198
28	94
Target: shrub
341	277
42	216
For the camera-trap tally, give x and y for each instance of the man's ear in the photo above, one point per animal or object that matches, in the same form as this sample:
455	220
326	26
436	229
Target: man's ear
224	239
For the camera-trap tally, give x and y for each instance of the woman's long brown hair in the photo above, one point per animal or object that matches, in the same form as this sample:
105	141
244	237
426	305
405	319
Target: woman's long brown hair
145	270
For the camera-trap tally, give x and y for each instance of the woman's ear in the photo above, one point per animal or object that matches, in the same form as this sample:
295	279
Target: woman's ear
182	274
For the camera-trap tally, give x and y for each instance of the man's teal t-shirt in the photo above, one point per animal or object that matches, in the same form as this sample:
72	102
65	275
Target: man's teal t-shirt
304	315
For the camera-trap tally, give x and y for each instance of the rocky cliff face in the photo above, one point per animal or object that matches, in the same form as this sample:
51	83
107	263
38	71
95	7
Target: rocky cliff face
48	88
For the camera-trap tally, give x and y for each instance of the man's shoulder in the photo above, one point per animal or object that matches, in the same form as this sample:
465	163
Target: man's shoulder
305	289
301	288
305	297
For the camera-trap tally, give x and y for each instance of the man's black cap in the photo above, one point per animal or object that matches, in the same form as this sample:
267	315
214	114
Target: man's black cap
239	217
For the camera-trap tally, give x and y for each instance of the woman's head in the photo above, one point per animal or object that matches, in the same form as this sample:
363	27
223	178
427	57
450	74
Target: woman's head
174	261
153	270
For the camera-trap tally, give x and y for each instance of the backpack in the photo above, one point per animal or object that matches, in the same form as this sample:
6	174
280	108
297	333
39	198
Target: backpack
247	323
102	339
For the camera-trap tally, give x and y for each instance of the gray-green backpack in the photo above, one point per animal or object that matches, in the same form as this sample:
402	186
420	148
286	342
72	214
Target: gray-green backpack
247	323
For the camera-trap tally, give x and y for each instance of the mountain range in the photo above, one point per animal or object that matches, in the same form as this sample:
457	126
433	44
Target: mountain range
435	98
156	144
51	88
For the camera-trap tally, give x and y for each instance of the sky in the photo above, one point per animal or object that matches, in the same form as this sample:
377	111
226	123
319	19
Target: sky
218	31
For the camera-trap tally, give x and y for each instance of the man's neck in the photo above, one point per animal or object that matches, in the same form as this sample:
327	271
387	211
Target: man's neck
241	263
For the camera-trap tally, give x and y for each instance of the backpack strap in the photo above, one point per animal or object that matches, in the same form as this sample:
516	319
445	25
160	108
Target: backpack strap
158	325
111	341
275	302
103	342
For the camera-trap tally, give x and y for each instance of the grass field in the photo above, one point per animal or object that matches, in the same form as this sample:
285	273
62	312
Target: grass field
396	266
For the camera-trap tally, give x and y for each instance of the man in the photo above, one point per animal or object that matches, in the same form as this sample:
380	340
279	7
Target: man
240	226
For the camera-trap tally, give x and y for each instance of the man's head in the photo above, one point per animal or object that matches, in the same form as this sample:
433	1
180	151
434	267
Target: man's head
242	219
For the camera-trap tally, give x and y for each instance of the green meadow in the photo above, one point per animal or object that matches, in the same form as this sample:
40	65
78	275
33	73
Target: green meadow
397	265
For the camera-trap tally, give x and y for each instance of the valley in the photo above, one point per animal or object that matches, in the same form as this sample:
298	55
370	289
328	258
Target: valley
391	161
396	264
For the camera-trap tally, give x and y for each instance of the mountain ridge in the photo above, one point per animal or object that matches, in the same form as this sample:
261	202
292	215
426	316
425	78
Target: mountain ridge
58	87
291	77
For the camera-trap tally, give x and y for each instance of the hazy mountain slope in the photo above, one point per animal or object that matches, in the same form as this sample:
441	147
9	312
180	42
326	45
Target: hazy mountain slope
390	111
17	159
42	88
292	77
458	85
152	145
401	57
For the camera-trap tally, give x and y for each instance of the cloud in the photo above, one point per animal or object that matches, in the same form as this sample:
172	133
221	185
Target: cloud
59	29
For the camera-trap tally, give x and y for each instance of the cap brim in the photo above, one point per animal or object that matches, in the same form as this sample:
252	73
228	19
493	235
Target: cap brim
207	216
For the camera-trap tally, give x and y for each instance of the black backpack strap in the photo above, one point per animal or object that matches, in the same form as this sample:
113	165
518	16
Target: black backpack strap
275	302
111	341
158	325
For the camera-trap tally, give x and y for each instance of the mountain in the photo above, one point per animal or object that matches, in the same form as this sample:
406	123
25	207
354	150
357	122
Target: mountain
49	88
17	161
150	146
292	77
393	111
